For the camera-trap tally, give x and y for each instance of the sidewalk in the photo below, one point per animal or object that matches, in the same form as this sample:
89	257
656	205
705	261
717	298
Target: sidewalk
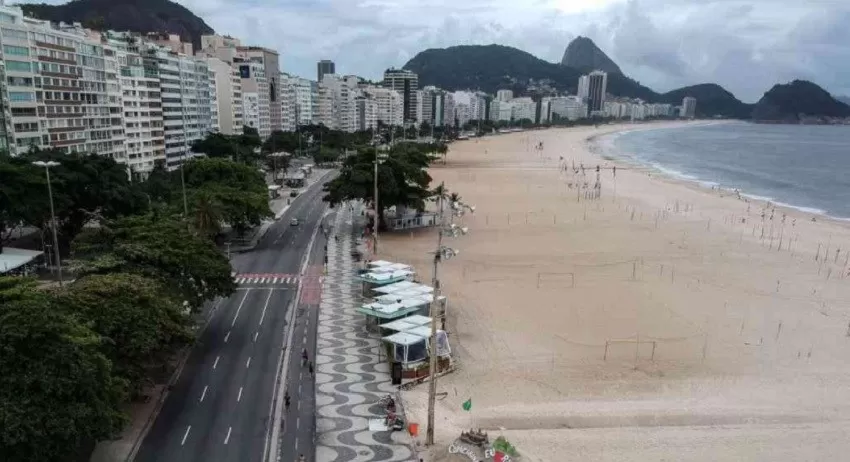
351	378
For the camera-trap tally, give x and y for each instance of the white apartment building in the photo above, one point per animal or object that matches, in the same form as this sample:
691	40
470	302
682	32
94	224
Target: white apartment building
288	102
390	105
365	112
55	89
568	107
545	110
186	104
141	103
523	108
306	101
228	95
583	87
255	96
504	95
336	103
448	109
689	107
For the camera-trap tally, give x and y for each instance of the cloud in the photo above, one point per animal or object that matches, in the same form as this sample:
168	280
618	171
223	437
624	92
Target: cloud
744	45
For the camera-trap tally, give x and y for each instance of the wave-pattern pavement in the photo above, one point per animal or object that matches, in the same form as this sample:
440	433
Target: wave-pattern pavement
350	378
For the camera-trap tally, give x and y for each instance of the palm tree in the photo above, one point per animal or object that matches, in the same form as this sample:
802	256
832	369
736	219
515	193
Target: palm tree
206	213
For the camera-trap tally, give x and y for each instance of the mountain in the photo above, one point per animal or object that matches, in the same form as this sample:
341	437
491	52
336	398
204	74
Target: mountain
712	100
844	99
132	15
584	55
792	101
493	67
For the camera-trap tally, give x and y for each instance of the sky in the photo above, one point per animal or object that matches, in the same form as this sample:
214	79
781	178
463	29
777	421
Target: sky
746	46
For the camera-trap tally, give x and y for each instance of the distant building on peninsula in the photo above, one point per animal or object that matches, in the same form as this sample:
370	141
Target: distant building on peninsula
689	108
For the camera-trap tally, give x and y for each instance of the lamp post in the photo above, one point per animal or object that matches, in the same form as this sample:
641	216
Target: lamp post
442	252
378	160
47	166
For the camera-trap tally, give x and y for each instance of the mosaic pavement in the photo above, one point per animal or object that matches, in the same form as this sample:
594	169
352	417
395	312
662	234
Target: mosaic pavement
350	380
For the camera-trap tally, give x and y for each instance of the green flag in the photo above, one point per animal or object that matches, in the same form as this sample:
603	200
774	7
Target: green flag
467	405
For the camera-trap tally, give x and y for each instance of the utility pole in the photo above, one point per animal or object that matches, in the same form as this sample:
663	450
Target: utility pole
47	166
433	312
375	204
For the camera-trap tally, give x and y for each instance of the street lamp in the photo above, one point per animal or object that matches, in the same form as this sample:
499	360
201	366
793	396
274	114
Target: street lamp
378	159
458	209
47	166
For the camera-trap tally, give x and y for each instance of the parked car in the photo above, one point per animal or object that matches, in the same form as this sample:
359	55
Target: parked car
293	222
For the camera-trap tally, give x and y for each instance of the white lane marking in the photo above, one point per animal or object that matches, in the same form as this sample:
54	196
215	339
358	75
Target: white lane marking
203	394
308	322
248	363
240	280
263	280
239	398
240	308
227	438
185	435
299	386
226	337
255	335
263	316
216	361
275	281
298	422
299	405
304	340
296	444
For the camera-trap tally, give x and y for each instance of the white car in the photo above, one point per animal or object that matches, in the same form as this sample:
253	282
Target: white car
293	222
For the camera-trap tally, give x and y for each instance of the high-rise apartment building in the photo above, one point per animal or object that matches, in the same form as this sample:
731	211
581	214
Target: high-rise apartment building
323	68
306	101
366	112
215	126
288	102
270	60
228	95
504	95
406	83
55	88
389	105
256	110
583	87
597	85
689	107
141	101
336	102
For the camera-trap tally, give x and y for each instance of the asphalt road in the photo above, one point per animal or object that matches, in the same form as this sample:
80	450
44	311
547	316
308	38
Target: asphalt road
219	410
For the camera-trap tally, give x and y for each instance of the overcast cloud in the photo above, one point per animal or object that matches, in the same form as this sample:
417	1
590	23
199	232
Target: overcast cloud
744	45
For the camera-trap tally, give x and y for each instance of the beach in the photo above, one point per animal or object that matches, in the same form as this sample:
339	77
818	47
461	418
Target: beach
660	320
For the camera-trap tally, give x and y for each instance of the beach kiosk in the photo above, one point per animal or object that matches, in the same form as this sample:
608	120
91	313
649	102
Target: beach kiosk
410	348
380	275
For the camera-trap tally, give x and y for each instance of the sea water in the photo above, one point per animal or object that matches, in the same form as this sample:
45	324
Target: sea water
802	166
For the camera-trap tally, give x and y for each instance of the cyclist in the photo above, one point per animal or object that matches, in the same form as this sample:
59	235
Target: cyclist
310	365
304	356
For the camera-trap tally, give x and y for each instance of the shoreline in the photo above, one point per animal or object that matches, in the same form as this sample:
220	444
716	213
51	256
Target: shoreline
593	143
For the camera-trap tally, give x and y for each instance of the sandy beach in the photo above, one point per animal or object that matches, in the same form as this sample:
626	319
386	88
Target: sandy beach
660	321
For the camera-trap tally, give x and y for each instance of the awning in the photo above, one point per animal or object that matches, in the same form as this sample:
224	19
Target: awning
399	325
404	338
12	258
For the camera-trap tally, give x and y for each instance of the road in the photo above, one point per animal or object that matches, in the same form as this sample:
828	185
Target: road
219	410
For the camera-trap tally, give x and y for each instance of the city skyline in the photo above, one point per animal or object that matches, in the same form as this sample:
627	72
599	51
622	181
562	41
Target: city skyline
664	44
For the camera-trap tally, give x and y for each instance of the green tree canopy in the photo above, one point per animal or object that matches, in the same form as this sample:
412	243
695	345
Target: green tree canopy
280	141
402	178
57	389
238	148
190	267
140	323
83	185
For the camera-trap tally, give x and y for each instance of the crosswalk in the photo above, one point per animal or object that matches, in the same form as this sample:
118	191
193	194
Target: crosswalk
265	278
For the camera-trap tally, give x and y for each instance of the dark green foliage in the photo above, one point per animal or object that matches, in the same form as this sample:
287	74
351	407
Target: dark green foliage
132	15
712	100
790	101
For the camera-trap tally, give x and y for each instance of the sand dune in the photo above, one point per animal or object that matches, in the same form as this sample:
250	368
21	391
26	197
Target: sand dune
659	321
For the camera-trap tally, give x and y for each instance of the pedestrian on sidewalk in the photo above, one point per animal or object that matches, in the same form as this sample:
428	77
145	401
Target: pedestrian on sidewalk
310	367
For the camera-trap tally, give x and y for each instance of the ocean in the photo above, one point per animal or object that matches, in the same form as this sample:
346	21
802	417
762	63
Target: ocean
801	166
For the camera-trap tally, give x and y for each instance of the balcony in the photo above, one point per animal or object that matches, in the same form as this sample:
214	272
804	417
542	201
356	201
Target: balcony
66	142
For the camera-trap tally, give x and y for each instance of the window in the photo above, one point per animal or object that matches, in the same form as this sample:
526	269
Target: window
13	50
7	18
14	34
19	66
21	96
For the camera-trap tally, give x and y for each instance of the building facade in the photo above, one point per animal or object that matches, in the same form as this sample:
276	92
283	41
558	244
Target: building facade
405	83
689	107
597	82
288	102
504	95
270	61
256	111
228	95
324	67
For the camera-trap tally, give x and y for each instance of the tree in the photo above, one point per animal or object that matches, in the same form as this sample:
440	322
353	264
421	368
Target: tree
57	390
239	190
326	155
187	265
83	186
140	324
236	148
250	138
282	141
23	196
402	178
